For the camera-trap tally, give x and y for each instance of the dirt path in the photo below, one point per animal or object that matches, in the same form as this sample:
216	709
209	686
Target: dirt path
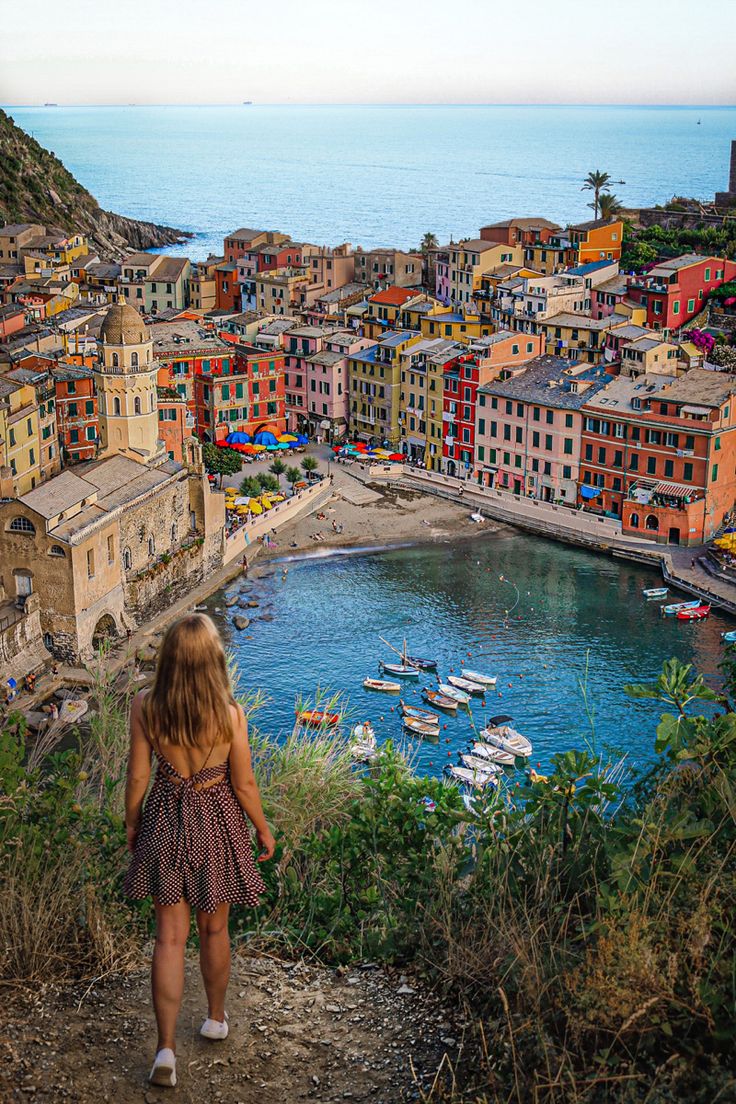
297	1032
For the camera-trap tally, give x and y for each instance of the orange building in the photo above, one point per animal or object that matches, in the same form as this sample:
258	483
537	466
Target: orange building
599	240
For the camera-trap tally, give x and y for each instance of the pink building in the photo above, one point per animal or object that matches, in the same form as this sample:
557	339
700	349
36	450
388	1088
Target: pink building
529	428
300	343
328	389
442	284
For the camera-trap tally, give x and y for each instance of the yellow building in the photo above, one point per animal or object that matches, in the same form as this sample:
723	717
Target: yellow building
19	452
462	326
375	388
125	381
387	309
421	395
469	260
577	336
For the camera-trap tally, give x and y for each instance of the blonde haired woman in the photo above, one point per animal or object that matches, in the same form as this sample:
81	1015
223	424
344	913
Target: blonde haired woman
191	844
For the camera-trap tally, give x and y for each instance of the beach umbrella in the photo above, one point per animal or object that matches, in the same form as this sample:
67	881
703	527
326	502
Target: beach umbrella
283	445
265	437
248	449
272	448
238	437
255	506
258	448
291	437
397	456
302	439
266	502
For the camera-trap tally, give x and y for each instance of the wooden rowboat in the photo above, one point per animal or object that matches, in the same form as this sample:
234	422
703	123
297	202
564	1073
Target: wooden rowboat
477	762
675	607
507	739
493	754
440	701
316	717
452	692
472	777
422	664
466	685
421	728
655	592
419	714
698	613
403	670
382	684
476	676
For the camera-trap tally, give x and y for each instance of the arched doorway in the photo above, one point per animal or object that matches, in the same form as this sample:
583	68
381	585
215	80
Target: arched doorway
652	522
105	630
451	467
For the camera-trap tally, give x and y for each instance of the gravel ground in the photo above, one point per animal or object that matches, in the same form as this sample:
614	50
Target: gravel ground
297	1032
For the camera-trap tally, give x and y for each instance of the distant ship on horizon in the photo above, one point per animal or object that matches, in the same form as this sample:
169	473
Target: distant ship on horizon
50	105
247	103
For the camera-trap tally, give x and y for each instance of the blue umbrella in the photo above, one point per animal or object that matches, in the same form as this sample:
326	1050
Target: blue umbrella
302	440
238	438
265	439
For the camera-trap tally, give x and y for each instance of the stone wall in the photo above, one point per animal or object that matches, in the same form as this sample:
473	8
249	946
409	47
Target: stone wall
21	641
303	502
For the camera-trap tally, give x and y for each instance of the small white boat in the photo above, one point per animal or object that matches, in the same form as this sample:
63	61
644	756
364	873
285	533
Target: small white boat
382	684
655	592
477	517
507	739
364	748
472	777
476	762
72	710
476	676
420	714
729	637
674	608
466	685
421	728
451	692
402	670
493	754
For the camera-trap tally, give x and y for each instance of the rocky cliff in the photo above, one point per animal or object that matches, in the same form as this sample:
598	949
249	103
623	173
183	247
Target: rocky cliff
36	187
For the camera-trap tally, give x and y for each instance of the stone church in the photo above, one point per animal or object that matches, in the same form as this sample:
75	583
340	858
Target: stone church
102	547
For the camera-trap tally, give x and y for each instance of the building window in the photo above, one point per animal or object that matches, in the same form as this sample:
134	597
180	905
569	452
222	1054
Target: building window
151	546
56	550
651	465
134	360
137	405
568	446
116	405
173	532
91	563
567	472
115	360
22	525
714	473
127	559
687	472
111	549
634	521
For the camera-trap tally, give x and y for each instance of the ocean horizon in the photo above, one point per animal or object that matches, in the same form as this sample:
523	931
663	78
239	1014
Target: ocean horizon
377	174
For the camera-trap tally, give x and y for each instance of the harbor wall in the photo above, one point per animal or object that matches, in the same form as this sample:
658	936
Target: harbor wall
304	501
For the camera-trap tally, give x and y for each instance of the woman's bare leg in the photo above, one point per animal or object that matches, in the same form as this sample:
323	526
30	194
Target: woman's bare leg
167	968
214	958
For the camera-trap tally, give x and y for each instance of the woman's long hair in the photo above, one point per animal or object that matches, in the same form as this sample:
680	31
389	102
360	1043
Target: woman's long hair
190	701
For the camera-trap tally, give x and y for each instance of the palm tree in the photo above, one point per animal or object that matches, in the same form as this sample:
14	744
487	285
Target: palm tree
309	465
595	182
609	205
278	468
429	241
293	475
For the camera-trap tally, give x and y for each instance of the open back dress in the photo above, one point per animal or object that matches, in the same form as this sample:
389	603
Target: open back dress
194	841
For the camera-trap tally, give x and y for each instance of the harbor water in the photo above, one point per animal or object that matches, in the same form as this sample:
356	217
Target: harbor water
563	630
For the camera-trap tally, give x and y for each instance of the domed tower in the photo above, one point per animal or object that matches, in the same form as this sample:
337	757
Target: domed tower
125	377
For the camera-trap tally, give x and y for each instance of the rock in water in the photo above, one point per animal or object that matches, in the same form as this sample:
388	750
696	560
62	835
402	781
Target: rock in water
241	622
231	599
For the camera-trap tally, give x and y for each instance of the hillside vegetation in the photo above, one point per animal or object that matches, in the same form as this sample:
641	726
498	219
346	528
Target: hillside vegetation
36	187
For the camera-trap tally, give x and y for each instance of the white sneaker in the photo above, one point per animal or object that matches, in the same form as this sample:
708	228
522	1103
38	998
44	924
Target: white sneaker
213	1029
164	1068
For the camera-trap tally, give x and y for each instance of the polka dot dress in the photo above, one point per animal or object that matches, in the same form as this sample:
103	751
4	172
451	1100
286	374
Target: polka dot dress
194	842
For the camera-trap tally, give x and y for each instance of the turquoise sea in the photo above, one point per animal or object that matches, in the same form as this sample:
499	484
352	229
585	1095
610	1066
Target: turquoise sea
377	175
578	629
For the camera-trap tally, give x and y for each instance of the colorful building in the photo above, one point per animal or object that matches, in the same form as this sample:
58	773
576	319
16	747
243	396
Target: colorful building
76	412
468	260
35	371
674	292
175	424
661	453
529	428
420	419
375	388
381	266
19	452
246	396
385	309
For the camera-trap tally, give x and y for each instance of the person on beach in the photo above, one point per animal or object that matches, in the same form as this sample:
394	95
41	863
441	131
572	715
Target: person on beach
190	840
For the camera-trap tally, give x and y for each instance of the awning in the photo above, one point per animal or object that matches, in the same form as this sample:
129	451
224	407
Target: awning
589	492
674	490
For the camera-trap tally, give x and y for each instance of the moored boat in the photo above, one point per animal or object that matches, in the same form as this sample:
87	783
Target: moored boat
729	637
479	779
466	685
493	754
440	701
421	728
422	664
402	670
364	746
656	592
382	684
675	607
317	717
481	679
508	739
419	714
448	691
475	762
697	613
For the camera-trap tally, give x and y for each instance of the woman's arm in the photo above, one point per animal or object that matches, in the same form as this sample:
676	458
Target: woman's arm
139	771
246	788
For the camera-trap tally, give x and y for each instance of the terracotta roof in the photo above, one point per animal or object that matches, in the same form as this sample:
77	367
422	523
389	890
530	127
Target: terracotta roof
393	296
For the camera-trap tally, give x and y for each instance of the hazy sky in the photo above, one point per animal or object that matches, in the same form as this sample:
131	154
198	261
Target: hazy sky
368	51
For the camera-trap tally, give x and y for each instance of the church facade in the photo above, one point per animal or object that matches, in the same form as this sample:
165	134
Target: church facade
109	544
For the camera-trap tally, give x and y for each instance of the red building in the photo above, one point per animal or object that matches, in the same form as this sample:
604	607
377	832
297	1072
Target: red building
76	412
674	292
12	319
246	397
227	288
661	454
461	378
184	350
175	423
